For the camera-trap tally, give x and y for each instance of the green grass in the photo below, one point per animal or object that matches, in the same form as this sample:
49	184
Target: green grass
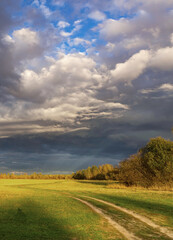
140	229
42	209
29	211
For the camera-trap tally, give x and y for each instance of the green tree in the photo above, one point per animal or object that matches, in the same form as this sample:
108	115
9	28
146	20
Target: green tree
152	164
157	159
131	171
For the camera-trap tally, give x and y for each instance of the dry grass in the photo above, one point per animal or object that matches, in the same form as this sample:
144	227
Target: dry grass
156	187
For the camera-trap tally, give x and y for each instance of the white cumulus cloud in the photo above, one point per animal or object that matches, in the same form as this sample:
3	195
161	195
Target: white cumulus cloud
63	24
163	59
132	68
97	15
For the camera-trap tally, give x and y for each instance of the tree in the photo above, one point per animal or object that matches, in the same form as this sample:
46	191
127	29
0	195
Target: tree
131	171
157	159
152	164
88	173
94	171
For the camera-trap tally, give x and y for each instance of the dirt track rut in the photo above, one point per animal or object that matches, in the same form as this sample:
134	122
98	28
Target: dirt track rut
135	215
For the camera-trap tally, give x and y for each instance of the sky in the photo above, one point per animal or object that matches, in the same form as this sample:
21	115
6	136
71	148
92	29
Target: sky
83	82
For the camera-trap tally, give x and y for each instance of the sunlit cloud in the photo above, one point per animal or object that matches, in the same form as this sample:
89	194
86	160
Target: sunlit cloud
97	15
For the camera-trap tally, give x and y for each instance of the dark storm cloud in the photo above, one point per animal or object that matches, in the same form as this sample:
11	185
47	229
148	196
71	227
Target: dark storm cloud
69	151
107	141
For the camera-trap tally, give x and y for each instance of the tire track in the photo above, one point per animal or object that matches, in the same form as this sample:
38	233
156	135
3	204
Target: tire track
146	220
120	229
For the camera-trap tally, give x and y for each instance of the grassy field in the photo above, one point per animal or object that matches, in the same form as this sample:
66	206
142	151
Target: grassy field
45	209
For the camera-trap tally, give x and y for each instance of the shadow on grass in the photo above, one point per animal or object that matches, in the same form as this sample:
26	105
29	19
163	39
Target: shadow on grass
152	207
30	221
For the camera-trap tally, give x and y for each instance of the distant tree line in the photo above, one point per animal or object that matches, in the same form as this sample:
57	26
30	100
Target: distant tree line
104	172
34	176
152	164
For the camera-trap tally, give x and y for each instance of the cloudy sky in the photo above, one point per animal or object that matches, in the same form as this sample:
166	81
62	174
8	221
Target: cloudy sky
83	82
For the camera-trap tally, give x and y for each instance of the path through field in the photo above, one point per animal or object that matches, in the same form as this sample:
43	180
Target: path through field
141	218
126	233
121	229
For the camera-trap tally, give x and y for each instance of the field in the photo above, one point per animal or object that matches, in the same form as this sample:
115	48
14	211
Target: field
67	209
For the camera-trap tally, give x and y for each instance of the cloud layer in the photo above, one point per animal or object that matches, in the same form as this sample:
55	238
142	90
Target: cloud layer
83	81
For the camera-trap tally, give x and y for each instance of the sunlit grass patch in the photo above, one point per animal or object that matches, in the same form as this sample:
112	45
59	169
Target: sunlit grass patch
30	211
156	187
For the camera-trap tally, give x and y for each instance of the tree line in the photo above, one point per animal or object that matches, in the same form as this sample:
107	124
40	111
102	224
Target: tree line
152	164
104	172
34	176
